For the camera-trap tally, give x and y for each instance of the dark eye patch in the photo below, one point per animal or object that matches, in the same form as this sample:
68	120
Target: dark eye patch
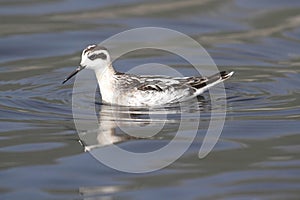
95	56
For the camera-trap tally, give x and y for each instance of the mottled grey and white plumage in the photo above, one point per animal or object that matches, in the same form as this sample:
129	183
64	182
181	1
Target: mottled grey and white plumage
141	90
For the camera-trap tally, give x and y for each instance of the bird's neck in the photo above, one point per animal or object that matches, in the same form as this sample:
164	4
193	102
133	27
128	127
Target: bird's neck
104	74
106	80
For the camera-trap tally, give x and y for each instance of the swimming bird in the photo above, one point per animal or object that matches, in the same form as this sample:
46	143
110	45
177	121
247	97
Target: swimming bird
141	90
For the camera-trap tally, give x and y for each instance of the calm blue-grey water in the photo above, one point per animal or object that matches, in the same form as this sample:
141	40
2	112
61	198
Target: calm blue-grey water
257	155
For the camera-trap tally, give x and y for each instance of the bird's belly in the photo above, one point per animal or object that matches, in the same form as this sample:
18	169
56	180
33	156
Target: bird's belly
148	98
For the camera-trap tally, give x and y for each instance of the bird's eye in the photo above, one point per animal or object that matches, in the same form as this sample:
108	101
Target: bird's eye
95	56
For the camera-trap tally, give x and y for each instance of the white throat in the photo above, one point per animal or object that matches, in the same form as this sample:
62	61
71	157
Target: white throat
105	78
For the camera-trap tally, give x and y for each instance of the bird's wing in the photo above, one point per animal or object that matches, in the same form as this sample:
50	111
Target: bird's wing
159	83
164	83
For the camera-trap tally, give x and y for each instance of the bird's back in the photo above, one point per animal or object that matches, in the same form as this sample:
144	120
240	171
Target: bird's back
133	90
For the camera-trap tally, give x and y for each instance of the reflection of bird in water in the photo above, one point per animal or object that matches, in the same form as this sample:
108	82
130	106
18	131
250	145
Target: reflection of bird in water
120	124
106	134
133	90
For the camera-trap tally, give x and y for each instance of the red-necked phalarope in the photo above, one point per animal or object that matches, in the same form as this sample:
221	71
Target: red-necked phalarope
133	90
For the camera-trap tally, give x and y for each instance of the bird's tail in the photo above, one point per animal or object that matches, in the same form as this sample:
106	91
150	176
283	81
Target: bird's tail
222	76
214	80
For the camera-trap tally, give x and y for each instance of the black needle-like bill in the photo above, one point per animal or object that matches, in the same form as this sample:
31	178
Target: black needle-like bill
78	69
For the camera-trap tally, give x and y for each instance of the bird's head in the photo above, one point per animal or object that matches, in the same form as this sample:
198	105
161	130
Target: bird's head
93	57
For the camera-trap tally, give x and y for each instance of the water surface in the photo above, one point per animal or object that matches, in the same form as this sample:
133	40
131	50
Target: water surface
257	155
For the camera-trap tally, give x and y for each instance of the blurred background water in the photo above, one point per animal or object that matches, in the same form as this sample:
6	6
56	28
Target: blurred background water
257	156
